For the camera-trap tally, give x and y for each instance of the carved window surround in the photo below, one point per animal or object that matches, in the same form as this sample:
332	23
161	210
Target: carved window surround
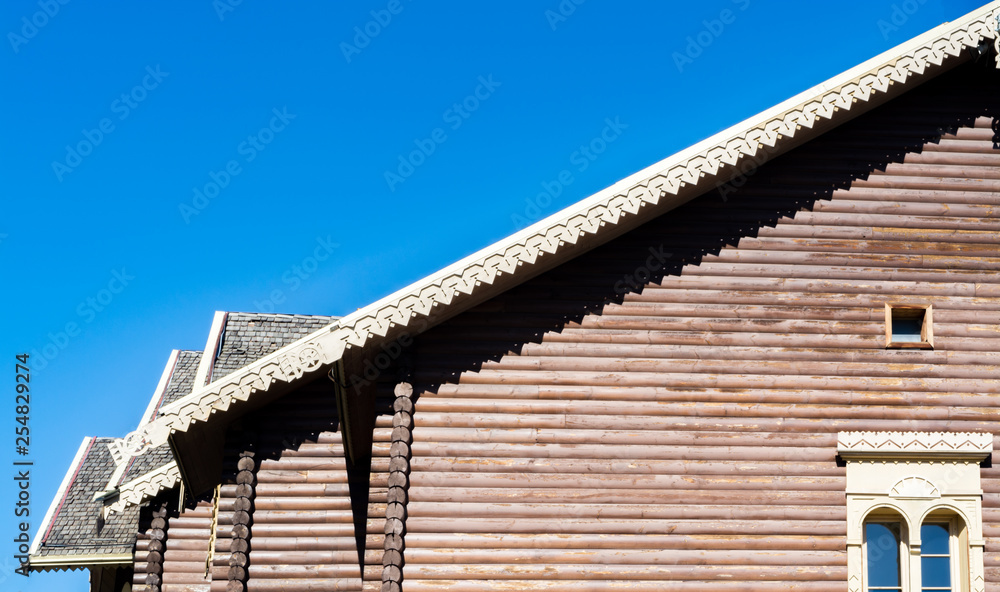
913	475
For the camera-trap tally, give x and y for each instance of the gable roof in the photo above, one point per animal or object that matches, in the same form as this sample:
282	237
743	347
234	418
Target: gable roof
592	221
72	533
235	340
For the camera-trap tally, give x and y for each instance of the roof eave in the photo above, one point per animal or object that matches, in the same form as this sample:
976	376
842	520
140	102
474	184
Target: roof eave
592	221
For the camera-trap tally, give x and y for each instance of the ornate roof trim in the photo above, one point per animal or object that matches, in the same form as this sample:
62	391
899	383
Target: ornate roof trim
872	445
629	201
146	486
64	562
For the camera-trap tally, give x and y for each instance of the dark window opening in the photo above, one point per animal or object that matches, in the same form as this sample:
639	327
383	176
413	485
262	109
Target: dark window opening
908	327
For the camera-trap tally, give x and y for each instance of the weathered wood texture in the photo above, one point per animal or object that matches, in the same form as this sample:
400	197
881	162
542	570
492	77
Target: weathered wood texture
581	434
150	544
186	553
287	523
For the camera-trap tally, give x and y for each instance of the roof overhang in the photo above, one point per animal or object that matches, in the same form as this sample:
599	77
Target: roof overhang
578	228
52	562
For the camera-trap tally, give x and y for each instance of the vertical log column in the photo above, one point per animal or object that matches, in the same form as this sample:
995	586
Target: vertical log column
157	546
399	484
246	481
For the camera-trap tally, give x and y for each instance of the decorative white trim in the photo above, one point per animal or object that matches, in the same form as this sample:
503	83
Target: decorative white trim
211	351
146	486
77	561
915	487
944	445
996	40
60	494
909	475
690	171
118	454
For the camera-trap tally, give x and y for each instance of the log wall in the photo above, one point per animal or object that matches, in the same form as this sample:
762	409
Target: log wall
292	516
185	558
581	434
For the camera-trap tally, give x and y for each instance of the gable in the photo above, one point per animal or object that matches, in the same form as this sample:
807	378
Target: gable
647	424
594	221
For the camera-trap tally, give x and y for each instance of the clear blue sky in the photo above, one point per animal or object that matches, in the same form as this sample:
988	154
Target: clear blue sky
203	152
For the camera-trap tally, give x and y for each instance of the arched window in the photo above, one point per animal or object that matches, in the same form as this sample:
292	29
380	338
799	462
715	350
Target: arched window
937	559
914	511
884	550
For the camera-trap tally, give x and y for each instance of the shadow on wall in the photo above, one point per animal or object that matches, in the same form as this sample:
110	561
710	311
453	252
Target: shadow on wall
777	191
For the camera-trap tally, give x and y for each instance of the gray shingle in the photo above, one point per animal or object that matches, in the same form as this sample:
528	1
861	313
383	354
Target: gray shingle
181	382
74	527
247	337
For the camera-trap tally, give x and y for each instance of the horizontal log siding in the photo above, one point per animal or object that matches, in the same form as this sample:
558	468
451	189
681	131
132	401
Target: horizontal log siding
302	534
187	548
572	435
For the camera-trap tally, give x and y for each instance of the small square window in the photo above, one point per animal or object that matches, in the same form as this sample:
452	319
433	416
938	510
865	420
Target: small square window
908	327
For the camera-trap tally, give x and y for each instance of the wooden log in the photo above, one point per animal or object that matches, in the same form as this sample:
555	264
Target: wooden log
391	573
392	557
401	434
403	389
399	448
396	510
397	495
401	419
394	542
400	464
238	559
403	404
246	463
398	479
393	526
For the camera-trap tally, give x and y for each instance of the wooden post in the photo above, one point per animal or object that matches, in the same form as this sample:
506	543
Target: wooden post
157	547
239	559
399	481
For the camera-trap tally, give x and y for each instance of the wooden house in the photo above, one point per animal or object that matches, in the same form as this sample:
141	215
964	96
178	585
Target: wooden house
767	363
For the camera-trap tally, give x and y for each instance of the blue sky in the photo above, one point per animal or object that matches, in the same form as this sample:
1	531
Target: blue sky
162	161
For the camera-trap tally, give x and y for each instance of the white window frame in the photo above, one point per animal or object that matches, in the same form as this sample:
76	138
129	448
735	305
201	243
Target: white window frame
919	477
